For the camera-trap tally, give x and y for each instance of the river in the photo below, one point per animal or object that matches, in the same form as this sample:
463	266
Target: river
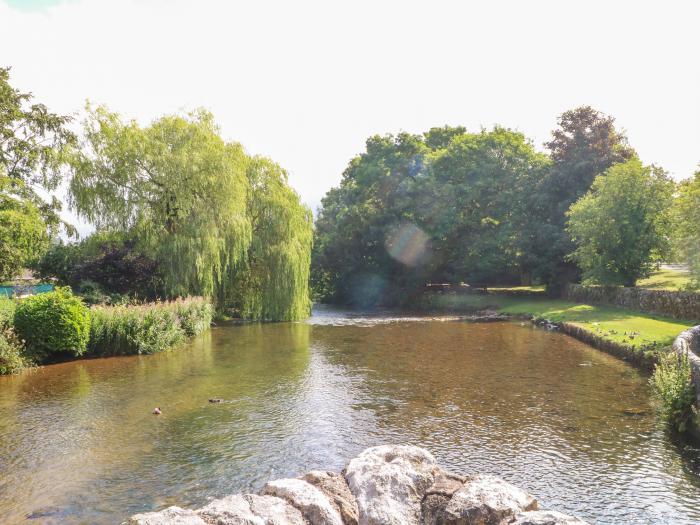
574	426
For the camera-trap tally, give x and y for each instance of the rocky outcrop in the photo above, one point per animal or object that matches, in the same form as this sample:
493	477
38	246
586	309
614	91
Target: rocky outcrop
385	485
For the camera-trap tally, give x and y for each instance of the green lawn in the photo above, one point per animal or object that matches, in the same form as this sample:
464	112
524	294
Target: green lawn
666	279
635	329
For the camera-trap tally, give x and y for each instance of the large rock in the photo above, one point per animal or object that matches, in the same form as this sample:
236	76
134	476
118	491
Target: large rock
336	488
389	483
438	496
386	485
313	503
486	500
250	509
169	516
546	517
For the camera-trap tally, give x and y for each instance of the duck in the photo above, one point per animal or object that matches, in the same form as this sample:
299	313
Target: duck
157	411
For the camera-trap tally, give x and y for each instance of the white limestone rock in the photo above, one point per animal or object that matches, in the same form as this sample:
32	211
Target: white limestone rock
250	509
169	516
389	483
313	503
485	499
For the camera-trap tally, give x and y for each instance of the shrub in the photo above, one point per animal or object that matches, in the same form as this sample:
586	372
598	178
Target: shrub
11	356
672	386
7	312
53	322
147	328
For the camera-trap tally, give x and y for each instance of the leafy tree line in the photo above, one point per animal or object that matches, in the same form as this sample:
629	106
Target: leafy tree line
178	210
486	208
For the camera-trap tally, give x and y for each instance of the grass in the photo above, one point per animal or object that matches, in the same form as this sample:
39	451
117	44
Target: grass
637	330
666	279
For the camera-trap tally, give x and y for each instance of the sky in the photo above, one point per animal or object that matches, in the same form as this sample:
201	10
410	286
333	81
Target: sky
306	82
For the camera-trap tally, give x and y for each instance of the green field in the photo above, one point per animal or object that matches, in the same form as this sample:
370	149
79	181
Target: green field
666	279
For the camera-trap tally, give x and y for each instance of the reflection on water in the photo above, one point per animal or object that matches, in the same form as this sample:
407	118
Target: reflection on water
78	442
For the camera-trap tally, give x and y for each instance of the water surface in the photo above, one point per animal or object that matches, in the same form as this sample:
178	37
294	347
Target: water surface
78	442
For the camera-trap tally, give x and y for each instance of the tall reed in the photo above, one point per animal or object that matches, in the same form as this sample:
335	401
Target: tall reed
147	328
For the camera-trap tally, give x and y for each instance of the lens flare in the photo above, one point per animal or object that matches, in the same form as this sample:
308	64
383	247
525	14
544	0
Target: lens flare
408	244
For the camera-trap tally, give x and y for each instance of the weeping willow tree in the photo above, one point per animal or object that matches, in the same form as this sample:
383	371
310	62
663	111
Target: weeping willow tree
272	280
220	223
176	185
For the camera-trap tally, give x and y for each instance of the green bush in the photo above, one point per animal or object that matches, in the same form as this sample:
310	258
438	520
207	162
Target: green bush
672	386
7	312
52	323
147	328
11	356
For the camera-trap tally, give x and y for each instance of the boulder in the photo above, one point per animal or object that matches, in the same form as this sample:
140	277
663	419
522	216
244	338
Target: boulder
546	517
313	503
389	483
485	500
438	496
336	489
169	516
250	509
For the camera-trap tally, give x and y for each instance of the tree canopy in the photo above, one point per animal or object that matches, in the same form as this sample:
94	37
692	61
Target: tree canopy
621	227
218	222
686	224
417	208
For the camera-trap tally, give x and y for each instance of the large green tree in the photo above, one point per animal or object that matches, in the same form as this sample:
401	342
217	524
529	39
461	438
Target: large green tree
218	223
34	146
271	282
413	209
176	185
584	145
622	226
686	219
23	235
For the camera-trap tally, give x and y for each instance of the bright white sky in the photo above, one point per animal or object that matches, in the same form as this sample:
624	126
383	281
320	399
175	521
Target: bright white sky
306	82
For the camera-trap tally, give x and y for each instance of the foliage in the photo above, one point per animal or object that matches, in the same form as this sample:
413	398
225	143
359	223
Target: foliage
412	209
11	352
584	145
216	222
176	185
53	323
673	388
7	312
272	280
622	226
103	266
34	145
23	235
686	223
194	315
147	328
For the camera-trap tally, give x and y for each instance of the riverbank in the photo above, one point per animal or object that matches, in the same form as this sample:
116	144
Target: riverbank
383	485
637	336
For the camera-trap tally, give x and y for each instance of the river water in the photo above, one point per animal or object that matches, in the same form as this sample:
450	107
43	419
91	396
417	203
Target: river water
574	426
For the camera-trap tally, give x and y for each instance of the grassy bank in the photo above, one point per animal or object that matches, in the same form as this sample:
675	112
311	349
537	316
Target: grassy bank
639	332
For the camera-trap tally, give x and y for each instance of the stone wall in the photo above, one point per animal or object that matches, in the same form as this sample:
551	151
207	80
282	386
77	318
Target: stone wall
385	485
679	305
688	343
